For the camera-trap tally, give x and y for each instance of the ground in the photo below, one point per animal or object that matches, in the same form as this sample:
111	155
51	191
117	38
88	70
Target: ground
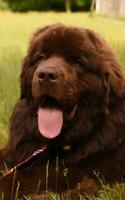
15	31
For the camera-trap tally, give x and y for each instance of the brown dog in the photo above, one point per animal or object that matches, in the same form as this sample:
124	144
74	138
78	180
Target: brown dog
72	104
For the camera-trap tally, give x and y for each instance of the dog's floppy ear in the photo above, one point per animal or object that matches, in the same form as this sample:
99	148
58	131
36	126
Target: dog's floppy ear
114	86
116	80
25	77
103	60
106	85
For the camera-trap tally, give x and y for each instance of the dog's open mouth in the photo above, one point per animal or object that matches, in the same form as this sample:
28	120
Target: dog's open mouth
51	117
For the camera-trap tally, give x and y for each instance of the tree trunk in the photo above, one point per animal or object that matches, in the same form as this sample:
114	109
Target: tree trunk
92	7
68	5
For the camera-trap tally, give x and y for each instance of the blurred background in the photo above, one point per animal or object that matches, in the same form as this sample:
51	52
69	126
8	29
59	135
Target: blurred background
20	18
110	8
45	5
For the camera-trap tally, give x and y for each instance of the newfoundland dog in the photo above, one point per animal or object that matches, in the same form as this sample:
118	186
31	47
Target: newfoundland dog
67	130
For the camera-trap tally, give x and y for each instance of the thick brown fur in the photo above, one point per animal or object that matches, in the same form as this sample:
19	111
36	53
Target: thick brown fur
91	93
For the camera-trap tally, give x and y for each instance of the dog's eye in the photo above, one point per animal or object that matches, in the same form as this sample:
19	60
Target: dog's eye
74	60
41	56
38	57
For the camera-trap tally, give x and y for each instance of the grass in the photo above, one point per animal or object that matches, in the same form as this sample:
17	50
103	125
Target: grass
117	192
15	31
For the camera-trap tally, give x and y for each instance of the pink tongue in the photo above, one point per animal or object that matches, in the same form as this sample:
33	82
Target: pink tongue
50	122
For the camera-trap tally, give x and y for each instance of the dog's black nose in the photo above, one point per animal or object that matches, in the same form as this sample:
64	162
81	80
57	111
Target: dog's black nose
48	73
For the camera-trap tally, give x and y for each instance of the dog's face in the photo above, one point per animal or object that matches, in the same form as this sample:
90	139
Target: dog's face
64	68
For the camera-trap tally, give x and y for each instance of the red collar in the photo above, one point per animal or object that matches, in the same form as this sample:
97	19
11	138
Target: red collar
25	162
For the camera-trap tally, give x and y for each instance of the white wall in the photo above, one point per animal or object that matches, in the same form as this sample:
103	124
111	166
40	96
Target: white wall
97	6
111	7
122	8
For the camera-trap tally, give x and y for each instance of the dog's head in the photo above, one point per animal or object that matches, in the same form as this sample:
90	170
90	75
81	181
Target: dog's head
65	68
